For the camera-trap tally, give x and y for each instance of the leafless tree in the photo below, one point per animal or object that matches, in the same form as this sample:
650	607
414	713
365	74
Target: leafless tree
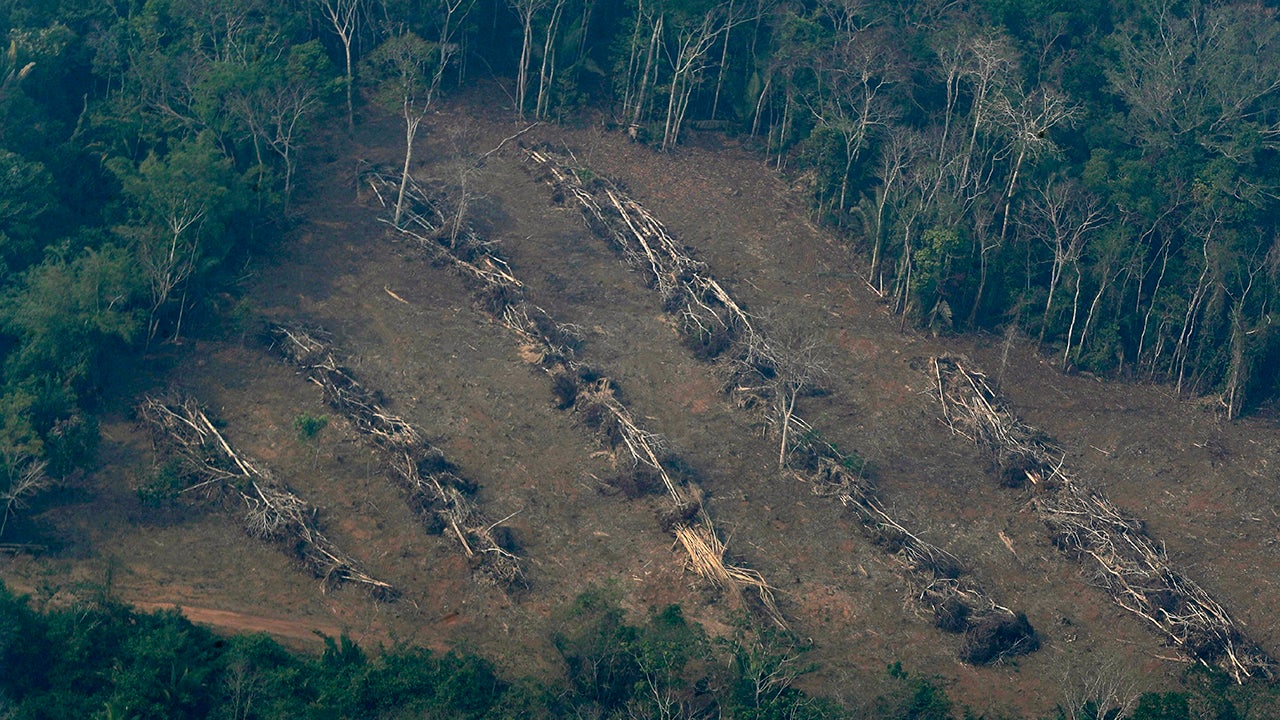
344	16
1063	216
27	478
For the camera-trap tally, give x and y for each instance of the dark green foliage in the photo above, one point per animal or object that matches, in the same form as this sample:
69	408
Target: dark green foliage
102	659
1162	706
309	426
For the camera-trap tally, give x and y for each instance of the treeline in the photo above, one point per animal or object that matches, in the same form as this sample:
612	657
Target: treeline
101	659
1099	175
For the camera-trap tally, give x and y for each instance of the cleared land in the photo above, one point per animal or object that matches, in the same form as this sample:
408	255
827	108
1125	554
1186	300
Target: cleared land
409	328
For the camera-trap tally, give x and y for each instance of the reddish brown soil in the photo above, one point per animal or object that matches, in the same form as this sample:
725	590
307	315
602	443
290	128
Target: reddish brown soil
1206	487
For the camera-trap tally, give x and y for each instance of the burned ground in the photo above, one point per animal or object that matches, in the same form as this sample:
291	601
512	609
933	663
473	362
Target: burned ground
412	329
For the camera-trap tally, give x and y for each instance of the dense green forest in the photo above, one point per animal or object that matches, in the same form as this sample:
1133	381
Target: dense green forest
100	659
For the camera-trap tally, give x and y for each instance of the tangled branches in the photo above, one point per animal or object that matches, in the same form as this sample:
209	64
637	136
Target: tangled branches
434	490
272	512
1126	560
552	347
767	374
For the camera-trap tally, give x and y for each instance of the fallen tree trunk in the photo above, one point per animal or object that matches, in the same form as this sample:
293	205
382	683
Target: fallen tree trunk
1125	559
551	346
271	511
435	491
761	376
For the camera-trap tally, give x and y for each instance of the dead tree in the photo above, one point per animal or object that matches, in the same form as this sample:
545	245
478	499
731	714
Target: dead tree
1125	559
271	511
433	487
767	375
550	346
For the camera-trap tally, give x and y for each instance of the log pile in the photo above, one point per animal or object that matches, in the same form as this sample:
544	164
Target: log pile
271	511
434	489
578	388
762	375
1124	558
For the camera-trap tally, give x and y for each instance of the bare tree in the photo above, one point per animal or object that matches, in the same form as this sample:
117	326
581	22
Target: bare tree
274	115
27	478
694	39
1063	216
547	69
410	70
852	99
344	16
526	10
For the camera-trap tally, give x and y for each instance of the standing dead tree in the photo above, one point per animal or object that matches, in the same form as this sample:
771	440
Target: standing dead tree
1126	560
589	394
768	375
434	489
271	511
27	478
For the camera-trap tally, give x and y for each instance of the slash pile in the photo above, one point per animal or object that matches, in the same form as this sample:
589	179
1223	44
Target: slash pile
272	512
435	491
767	375
1124	558
592	396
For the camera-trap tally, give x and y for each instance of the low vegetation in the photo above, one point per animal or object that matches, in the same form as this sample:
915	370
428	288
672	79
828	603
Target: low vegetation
99	658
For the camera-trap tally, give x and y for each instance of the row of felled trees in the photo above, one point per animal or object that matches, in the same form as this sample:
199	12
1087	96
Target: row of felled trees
1099	175
146	150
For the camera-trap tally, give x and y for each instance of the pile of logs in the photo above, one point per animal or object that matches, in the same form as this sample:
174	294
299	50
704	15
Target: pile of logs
271	511
433	488
594	398
763	376
1124	558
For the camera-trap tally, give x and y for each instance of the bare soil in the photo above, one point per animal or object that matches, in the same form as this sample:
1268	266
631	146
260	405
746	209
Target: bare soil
1206	487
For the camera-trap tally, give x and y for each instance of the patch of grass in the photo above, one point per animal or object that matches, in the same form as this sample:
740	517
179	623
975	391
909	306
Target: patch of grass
309	426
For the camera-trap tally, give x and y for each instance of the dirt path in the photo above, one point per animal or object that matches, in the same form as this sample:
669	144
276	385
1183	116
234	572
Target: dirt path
303	632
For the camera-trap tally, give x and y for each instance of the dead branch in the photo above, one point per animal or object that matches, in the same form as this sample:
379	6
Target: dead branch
1125	559
551	346
767	375
431	484
272	511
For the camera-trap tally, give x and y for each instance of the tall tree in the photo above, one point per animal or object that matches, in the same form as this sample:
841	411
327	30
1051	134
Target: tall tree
407	70
344	17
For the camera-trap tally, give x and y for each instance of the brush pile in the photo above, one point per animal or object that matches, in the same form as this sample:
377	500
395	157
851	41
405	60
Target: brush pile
435	491
272	512
593	397
1124	558
767	376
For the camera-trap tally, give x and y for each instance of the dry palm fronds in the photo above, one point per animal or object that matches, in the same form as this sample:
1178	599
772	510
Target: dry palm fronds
1126	560
434	490
272	512
551	346
767	376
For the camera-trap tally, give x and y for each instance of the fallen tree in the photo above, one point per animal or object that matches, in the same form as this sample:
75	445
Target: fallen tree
271	511
1125	560
434	489
592	396
767	376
